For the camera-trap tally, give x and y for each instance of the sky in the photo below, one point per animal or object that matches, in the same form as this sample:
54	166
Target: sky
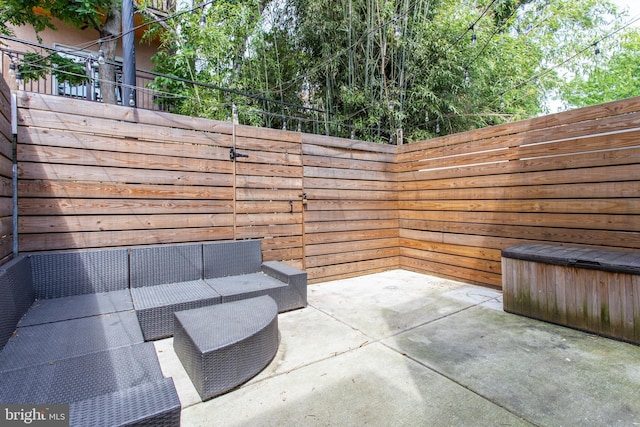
633	7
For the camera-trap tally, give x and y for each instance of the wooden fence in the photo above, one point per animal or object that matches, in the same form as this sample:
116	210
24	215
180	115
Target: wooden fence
110	176
351	218
6	175
570	179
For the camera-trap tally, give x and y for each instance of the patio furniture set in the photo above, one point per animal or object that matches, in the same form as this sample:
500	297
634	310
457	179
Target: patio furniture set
75	326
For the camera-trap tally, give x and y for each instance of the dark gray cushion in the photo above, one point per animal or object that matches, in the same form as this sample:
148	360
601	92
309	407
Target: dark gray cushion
16	295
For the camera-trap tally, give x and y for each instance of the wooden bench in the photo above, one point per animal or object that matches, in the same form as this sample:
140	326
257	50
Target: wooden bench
593	290
222	346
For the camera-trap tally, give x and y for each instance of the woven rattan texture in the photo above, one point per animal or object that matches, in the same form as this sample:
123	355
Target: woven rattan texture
223	346
8	314
223	259
236	288
296	295
79	378
76	307
155	305
62	274
17	273
158	265
16	295
153	404
50	342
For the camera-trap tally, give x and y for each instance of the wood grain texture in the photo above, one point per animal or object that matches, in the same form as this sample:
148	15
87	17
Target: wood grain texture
593	300
100	176
6	174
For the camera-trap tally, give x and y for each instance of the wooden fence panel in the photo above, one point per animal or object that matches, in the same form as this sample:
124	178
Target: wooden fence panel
112	176
268	185
351	216
567	179
6	173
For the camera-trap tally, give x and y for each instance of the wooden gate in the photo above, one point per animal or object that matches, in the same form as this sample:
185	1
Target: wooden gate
268	191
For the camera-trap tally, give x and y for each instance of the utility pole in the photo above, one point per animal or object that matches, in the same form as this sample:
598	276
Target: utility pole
128	55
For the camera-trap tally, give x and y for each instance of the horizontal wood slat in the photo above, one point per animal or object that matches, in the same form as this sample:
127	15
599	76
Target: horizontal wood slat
544	123
55	138
588	136
6	174
119	190
35	101
111	176
569	179
598	190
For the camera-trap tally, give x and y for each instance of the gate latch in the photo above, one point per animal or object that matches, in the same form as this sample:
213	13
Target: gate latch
233	154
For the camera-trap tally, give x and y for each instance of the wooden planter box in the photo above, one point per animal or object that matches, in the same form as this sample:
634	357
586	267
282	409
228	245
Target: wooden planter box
592	290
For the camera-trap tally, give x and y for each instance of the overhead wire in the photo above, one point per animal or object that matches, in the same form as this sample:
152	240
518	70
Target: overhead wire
86	45
347	49
455	42
167	94
158	74
340	53
496	31
547	70
573	56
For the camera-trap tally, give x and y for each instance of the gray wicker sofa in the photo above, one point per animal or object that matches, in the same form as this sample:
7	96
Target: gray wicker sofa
74	325
170	278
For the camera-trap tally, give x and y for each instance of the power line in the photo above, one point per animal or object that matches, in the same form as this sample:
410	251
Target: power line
560	64
86	45
496	31
350	47
157	74
284	117
456	42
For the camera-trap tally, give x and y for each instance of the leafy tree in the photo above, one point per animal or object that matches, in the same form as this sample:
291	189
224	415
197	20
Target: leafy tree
102	15
428	67
615	74
226	45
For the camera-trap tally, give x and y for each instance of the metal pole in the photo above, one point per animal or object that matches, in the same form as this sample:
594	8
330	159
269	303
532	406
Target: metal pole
128	55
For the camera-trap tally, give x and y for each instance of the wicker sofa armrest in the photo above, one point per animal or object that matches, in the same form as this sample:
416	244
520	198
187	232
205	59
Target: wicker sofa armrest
295	278
16	295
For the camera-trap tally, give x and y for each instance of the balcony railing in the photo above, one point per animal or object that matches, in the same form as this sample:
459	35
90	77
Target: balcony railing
90	90
163	7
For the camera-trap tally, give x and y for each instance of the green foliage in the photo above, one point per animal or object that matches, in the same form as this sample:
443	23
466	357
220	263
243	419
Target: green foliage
78	13
209	47
35	66
614	75
101	15
373	66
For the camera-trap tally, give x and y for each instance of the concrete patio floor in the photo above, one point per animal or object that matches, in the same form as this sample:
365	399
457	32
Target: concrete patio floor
401	348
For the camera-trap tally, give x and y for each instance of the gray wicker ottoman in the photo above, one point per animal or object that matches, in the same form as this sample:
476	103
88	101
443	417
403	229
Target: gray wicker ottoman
222	346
